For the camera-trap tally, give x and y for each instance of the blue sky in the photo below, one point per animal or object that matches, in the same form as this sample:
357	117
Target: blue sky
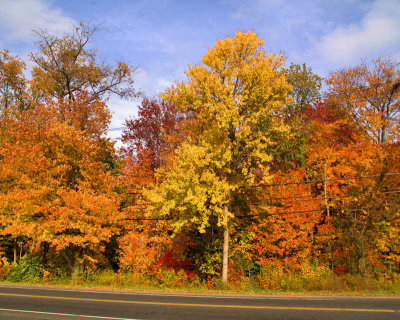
161	37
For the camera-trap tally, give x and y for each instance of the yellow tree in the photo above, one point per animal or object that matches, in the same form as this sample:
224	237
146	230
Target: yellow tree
234	97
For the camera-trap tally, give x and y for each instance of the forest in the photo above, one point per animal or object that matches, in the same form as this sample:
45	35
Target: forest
251	174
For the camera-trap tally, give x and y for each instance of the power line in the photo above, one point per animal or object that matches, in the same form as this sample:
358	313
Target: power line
294	199
147	219
117	128
279	213
325	180
275	213
309	198
307	182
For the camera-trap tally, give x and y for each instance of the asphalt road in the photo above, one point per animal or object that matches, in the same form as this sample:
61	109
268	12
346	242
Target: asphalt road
30	303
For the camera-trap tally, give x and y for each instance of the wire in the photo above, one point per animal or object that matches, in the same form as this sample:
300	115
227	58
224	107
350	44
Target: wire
325	180
281	213
331	198
117	128
150	219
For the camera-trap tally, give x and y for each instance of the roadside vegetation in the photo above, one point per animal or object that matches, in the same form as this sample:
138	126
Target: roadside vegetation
245	177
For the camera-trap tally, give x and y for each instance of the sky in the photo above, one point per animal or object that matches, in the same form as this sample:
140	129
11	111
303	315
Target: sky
162	37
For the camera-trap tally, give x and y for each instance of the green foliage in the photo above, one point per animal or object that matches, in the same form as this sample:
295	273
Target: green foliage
29	269
306	87
209	263
313	270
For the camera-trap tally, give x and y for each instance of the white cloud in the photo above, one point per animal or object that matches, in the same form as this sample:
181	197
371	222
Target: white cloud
377	34
123	110
150	83
19	17
126	109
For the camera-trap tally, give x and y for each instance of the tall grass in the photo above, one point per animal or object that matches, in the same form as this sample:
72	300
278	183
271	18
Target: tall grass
310	279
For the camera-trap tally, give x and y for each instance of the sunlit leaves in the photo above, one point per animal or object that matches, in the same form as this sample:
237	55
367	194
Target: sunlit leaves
235	96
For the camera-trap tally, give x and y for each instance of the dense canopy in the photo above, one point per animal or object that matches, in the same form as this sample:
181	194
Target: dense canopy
245	171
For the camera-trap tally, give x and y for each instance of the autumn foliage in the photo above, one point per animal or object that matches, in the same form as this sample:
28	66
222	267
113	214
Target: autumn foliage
246	170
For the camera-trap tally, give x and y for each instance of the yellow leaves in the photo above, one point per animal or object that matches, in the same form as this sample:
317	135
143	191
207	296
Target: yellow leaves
235	96
192	189
230	55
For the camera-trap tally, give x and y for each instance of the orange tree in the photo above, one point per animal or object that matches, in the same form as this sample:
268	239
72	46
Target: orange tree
55	188
369	95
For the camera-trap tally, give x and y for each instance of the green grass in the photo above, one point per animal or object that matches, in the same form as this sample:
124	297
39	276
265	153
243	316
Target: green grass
287	284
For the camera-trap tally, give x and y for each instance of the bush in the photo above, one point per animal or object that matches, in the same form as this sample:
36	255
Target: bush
4	266
29	269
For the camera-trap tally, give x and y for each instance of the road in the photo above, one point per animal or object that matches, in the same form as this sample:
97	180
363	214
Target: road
29	303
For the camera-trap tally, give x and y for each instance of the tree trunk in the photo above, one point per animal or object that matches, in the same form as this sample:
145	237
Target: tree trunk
225	255
44	249
71	256
225	252
15	251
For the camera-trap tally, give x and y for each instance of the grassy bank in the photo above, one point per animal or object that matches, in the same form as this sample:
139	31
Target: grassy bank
169	280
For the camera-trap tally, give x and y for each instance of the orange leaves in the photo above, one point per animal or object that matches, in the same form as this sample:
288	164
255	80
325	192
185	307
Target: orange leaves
371	96
139	251
64	67
81	219
12	82
285	235
54	186
84	113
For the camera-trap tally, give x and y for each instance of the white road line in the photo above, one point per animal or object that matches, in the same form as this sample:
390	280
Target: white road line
65	314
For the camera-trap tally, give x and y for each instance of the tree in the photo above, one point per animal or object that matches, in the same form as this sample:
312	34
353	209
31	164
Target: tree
149	141
371	96
306	87
65	66
359	215
12	82
235	96
85	113
55	188
289	214
68	75
154	134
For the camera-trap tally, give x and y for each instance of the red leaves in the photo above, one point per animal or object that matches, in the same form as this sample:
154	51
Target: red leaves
153	135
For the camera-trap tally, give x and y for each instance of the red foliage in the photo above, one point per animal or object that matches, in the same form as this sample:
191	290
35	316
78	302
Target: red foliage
340	270
150	137
170	261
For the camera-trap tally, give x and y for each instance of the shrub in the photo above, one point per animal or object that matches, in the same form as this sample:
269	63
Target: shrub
29	269
4	266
